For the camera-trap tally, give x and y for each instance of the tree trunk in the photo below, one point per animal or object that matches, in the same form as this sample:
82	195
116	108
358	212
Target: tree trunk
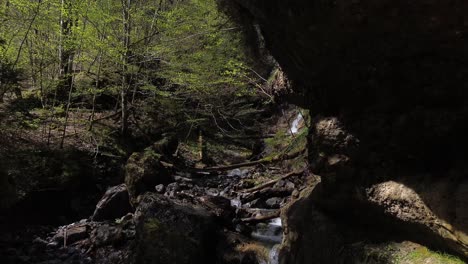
126	4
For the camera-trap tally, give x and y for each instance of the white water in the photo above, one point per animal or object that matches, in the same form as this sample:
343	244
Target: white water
236	203
271	234
274	255
295	123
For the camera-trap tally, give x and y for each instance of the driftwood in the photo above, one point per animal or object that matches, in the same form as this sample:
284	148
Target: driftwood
273	192
261	218
272	182
249	164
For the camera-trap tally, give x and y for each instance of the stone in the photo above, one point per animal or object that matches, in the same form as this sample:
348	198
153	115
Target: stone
295	193
274	202
171	232
114	204
279	184
107	235
73	233
257	203
212	192
159	188
146	169
173	187
289	185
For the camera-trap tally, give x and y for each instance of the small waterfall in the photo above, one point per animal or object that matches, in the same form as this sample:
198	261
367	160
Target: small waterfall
295	124
271	235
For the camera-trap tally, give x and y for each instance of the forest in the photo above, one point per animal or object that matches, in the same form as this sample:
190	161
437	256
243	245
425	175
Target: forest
231	131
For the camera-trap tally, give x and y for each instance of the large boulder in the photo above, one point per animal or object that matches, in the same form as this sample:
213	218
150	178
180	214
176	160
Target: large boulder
172	232
144	170
114	204
386	82
370	230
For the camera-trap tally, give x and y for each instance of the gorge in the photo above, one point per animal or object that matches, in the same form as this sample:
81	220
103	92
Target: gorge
350	148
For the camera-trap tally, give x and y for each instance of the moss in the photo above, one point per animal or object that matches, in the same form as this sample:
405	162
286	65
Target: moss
152	225
149	153
424	255
162	244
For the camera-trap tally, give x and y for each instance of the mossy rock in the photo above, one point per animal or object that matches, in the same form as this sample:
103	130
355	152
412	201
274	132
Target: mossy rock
398	253
143	171
171	232
146	169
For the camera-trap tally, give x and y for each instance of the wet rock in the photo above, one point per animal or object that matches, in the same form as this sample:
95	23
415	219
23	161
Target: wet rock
115	203
171	232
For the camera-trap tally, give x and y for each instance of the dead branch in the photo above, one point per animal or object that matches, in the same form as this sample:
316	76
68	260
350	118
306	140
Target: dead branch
272	182
261	218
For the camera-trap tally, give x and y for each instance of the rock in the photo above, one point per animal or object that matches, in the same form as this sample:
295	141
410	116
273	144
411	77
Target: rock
39	244
212	192
295	193
219	206
249	258
173	187
406	205
370	130
114	204
159	188
73	233
279	184
52	245
289	186
234	173
274	202
107	235
257	203
146	169
171	232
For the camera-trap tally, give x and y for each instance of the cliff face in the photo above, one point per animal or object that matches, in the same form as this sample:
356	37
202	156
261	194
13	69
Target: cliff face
387	81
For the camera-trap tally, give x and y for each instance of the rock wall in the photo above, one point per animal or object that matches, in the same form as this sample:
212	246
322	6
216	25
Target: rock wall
386	81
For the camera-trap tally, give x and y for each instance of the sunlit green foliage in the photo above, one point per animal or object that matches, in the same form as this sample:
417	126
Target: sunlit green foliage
201	49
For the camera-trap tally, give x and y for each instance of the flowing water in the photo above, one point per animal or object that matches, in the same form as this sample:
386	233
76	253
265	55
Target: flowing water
296	123
270	234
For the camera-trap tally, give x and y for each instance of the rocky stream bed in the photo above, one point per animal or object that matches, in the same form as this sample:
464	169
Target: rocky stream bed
197	218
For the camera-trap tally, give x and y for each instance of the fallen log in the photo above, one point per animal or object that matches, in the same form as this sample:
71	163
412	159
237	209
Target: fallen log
272	182
249	163
266	193
261	218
